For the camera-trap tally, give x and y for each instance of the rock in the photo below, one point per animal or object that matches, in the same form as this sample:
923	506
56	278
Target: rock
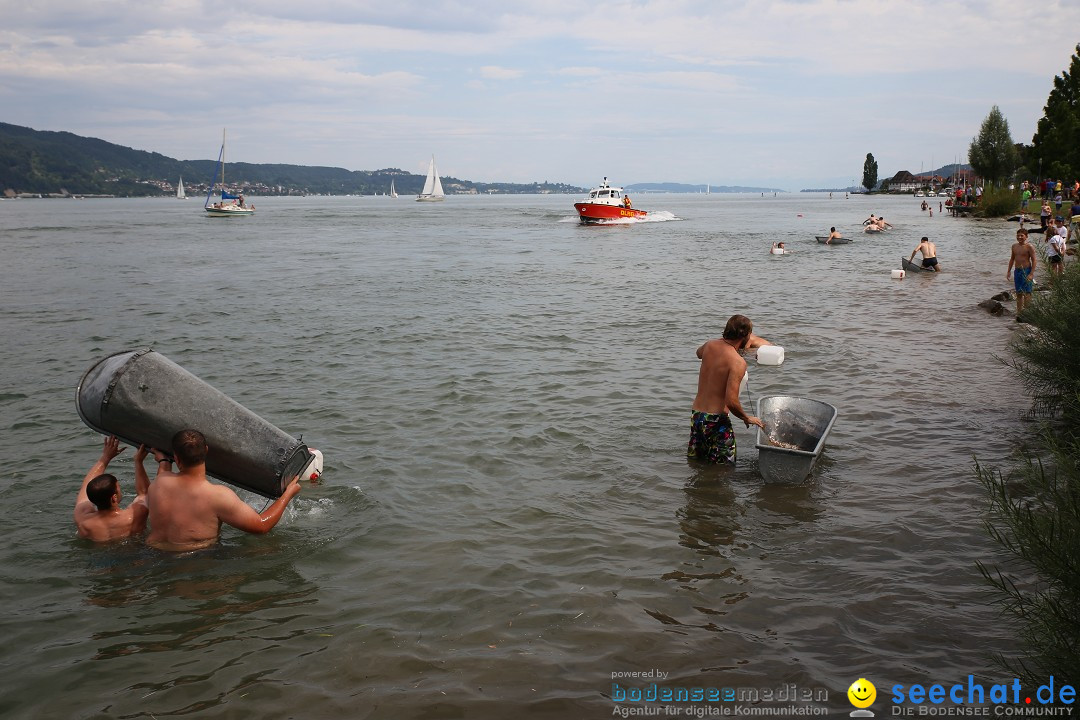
1004	296
993	307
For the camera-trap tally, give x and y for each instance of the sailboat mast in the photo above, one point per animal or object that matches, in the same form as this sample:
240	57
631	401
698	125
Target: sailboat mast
222	159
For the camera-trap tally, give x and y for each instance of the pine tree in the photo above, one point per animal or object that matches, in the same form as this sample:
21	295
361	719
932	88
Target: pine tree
993	153
869	172
1056	145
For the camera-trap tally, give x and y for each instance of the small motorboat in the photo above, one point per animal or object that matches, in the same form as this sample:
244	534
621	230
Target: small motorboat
606	203
824	240
793	437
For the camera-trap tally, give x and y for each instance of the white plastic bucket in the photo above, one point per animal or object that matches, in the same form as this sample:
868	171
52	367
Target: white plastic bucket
770	355
898	274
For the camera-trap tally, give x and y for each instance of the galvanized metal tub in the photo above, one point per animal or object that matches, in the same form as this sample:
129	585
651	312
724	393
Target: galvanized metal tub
793	438
142	397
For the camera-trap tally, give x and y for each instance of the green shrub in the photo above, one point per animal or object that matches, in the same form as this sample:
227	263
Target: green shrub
1035	511
998	202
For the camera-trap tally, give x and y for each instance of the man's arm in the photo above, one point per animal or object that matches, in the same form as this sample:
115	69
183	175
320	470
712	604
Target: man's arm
734	406
234	511
142	480
108	452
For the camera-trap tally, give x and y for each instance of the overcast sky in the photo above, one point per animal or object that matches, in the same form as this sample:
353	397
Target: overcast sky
776	94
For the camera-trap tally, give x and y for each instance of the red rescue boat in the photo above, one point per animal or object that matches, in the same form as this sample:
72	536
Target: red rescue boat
606	203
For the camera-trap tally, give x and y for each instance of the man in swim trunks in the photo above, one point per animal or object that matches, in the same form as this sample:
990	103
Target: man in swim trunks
929	255
1023	258
712	437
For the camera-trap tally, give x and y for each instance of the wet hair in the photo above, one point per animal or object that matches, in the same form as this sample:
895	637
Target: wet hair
925	239
738	327
832	229
101	489
189	448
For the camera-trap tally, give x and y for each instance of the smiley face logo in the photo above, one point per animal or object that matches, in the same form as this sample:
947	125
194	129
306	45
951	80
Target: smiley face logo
862	693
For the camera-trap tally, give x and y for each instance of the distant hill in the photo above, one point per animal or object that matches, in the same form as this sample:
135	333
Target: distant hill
46	162
684	188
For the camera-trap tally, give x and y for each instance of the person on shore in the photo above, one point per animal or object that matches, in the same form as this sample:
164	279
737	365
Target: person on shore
1025	198
98	516
1044	215
833	235
712	437
1023	259
929	254
187	510
1055	250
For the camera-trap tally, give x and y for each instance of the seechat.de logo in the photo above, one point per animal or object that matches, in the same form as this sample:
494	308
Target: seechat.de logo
862	694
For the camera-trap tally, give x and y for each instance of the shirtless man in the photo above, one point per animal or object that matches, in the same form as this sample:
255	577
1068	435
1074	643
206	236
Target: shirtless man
833	235
186	509
1023	258
98	516
929	255
712	437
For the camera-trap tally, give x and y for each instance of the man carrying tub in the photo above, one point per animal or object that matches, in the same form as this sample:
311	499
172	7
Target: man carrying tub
186	509
98	516
712	437
929	254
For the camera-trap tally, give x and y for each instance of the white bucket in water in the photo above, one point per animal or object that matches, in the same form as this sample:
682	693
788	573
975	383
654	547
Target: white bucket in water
778	251
770	355
898	274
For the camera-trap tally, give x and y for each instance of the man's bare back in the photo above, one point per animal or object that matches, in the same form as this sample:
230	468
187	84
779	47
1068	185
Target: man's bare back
187	510
111	522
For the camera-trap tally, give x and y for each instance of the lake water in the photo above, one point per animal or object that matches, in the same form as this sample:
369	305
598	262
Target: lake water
507	517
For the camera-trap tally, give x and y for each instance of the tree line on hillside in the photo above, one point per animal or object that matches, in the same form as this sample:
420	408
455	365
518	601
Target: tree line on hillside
46	162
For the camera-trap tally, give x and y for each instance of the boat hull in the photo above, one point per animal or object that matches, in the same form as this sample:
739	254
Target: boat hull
596	213
824	240
228	211
430	198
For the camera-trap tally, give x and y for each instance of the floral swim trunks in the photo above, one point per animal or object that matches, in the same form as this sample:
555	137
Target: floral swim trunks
711	437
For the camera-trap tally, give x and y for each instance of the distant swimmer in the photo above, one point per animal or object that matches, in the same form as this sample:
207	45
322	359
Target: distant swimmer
712	438
870	220
929	254
1023	258
779	249
833	235
881	224
187	510
98	516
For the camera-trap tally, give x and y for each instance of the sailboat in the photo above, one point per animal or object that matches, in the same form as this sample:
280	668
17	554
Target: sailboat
229	205
432	191
393	192
180	194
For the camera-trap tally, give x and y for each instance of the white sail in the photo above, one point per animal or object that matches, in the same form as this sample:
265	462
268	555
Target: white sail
433	190
180	194
393	192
